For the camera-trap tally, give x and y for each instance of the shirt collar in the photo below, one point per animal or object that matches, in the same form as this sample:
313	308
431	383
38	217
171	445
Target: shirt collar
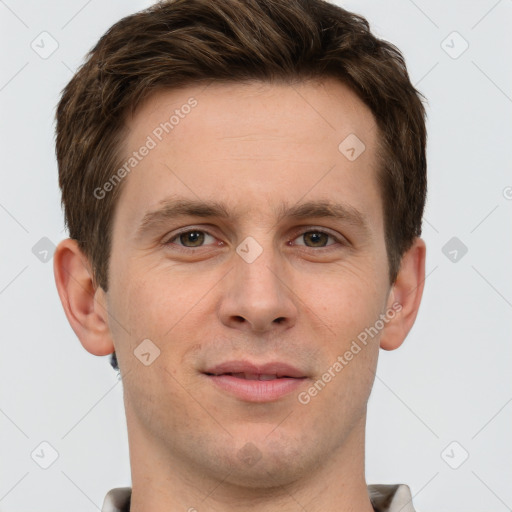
384	498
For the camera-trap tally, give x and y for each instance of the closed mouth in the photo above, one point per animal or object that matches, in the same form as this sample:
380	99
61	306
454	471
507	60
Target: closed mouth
253	376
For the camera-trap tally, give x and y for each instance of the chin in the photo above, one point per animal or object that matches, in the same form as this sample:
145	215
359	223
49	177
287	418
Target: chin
268	464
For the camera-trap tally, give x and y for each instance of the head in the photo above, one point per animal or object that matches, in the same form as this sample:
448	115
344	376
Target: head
242	179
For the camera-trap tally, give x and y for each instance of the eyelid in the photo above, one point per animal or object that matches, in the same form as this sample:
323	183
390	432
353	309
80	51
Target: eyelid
339	239
312	228
168	238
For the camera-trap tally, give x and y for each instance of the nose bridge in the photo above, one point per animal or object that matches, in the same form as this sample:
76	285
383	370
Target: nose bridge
258	267
256	295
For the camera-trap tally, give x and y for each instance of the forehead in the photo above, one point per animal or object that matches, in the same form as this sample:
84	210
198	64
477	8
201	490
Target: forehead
247	144
269	109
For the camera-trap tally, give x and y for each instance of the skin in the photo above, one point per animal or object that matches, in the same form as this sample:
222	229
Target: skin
254	147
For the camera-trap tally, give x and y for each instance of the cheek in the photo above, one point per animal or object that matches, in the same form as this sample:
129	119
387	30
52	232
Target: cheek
134	306
351	307
350	300
349	358
151	301
153	394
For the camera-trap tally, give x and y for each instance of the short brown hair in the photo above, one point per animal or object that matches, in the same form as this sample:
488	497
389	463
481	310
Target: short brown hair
176	43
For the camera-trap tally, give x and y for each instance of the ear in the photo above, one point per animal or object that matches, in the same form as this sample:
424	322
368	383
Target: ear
84	305
406	295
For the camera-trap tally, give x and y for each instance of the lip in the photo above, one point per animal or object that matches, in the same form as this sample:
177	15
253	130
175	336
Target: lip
272	368
289	380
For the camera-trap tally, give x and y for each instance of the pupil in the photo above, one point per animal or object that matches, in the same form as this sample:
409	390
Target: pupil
195	237
316	237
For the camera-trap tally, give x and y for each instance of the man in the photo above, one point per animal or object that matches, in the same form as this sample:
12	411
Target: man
243	182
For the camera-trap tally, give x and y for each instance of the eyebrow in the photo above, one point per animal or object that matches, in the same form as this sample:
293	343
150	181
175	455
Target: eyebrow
169	209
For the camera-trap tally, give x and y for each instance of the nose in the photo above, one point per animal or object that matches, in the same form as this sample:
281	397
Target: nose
258	296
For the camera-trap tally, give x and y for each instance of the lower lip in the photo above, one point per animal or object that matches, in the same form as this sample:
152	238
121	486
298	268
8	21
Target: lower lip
256	390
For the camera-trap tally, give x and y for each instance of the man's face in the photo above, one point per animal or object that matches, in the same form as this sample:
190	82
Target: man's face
256	285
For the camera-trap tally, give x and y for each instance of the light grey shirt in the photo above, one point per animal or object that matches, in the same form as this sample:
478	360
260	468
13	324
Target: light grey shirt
384	498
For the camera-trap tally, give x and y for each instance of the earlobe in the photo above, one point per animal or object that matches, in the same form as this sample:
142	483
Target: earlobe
405	295
84	310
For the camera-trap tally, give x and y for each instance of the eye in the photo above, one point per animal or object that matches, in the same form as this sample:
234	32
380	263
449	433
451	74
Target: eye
190	239
316	238
195	238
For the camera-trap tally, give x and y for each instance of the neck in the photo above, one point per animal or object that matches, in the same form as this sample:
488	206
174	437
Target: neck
165	481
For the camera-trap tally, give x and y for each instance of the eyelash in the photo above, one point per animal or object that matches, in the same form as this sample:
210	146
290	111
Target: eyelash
309	229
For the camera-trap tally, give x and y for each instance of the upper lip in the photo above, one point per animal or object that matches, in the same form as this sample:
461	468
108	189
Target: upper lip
273	368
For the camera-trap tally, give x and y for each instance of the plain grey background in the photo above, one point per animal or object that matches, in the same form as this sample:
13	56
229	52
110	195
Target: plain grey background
440	412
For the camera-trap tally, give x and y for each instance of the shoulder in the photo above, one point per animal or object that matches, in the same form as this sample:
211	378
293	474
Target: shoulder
384	498
117	500
391	497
